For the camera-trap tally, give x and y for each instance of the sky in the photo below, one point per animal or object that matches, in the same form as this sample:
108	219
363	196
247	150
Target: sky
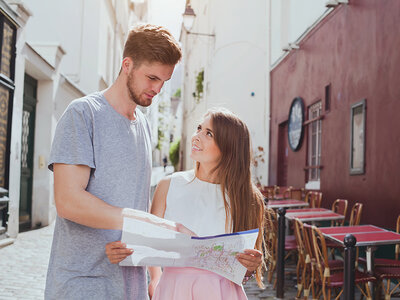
167	13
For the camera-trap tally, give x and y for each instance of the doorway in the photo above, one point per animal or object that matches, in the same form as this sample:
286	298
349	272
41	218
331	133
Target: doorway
27	148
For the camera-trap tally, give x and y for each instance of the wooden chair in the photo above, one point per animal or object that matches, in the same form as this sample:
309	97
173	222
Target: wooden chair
311	263
271	241
383	262
340	207
295	194
355	219
355	214
328	280
314	199
304	272
269	192
388	270
285	191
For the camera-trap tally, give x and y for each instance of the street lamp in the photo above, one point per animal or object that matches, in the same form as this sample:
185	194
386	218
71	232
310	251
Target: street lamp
188	17
188	20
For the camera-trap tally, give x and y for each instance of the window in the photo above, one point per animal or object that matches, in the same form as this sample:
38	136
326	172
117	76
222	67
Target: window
357	140
328	97
314	142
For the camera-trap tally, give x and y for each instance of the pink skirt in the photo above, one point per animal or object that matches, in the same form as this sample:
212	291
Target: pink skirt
196	284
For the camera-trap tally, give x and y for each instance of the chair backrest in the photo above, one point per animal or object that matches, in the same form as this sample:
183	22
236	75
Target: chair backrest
285	191
271	220
296	194
321	255
307	196
314	198
271	234
355	214
299	235
340	207
307	235
268	192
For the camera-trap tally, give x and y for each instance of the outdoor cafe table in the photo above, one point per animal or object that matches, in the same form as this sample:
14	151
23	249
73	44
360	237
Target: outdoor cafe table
305	215
286	203
370	236
366	235
313	215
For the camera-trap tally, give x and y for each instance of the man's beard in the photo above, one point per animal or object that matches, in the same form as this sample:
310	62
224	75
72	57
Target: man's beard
133	95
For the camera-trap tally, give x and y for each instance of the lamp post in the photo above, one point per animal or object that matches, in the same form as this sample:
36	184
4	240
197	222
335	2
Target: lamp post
188	20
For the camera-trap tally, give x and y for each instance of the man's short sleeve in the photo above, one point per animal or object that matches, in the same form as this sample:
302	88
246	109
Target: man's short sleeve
73	139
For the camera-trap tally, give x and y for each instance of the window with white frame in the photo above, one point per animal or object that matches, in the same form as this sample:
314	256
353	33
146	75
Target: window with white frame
314	142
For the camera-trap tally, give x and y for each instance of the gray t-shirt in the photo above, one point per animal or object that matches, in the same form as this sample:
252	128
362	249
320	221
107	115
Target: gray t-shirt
118	151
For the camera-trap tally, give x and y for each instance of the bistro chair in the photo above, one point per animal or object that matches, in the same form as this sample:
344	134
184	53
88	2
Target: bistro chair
334	280
304	269
285	191
387	262
269	192
388	270
295	194
355	214
355	219
311	264
390	274
314	199
271	241
301	259
340	207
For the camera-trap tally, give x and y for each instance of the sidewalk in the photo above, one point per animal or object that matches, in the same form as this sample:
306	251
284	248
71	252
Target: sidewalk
23	265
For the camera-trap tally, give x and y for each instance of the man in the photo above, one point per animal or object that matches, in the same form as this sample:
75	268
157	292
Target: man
101	159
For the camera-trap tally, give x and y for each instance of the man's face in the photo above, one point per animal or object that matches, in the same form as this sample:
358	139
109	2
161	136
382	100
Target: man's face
146	80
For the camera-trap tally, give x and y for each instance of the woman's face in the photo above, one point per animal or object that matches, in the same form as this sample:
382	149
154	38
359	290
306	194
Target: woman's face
204	149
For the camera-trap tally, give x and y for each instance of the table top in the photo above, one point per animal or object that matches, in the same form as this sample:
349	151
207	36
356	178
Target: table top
313	214
307	210
286	203
366	235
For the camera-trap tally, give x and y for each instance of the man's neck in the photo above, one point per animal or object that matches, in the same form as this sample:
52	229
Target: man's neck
118	97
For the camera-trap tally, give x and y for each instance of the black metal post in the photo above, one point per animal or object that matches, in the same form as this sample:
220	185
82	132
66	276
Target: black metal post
280	266
349	266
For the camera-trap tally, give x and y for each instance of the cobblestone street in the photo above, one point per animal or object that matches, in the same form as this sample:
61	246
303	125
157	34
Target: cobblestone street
23	267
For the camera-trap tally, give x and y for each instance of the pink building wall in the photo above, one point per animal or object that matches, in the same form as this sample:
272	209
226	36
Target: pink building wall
355	49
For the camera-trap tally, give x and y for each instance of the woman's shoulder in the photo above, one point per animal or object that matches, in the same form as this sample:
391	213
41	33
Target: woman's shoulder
185	176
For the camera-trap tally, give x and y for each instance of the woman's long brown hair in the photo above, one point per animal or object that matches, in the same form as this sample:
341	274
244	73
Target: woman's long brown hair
244	207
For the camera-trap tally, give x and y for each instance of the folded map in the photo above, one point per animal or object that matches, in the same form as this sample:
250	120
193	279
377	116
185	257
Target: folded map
156	242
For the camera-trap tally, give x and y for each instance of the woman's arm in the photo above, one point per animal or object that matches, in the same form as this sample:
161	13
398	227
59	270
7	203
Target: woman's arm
158	206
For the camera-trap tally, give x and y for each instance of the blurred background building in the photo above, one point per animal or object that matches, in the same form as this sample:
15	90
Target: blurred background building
253	58
51	53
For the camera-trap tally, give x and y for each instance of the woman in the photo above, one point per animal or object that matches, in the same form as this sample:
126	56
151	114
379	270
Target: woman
217	197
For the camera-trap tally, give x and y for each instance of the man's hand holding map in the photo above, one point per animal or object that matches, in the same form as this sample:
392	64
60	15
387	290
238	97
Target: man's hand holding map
157	242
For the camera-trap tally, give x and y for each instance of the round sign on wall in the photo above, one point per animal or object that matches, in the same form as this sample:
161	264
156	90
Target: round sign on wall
295	124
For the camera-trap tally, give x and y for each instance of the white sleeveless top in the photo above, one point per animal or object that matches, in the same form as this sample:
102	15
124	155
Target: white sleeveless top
197	204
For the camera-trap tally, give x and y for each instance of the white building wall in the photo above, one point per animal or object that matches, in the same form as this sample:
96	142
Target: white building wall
71	48
163	120
235	67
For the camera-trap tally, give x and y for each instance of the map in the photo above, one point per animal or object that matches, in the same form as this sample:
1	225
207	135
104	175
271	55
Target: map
215	255
156	242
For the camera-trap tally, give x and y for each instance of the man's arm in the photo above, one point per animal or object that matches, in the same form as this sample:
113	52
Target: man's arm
74	203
